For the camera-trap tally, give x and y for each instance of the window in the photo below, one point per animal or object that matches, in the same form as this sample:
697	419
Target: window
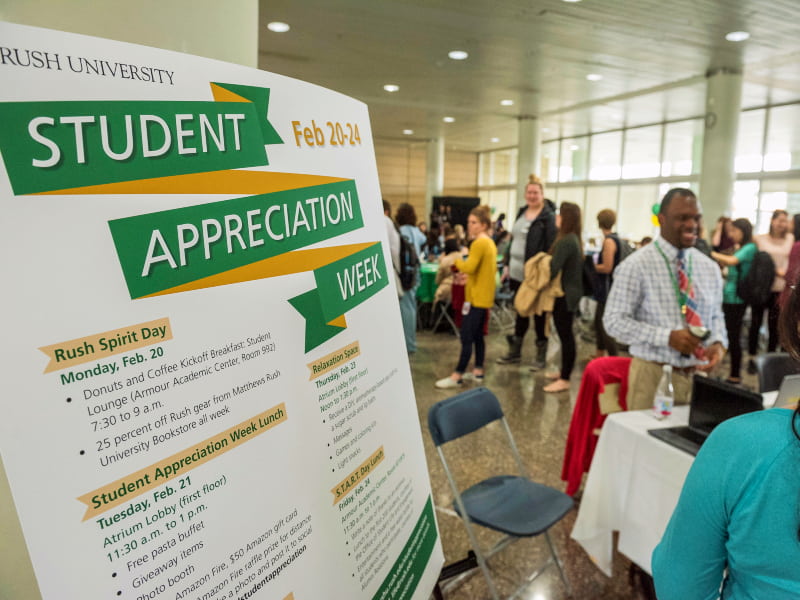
642	152
783	144
745	201
549	169
604	163
635	220
572	166
683	148
749	141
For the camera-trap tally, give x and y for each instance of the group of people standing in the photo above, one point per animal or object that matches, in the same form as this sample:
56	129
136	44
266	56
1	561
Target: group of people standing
738	258
537	229
541	229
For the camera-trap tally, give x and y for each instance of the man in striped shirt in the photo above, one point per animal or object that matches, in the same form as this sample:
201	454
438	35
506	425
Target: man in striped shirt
646	307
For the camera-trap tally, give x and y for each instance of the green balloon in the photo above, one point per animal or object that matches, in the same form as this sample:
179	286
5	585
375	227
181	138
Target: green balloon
655	208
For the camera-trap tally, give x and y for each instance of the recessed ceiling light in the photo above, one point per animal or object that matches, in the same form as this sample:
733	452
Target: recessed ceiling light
448	119
495	140
408	132
390	87
506	103
278	27
737	36
457	54
594	77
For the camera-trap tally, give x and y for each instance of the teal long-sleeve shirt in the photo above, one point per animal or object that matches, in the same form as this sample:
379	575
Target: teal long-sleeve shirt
740	509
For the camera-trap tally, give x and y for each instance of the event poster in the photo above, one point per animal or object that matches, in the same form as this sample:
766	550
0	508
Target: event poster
205	390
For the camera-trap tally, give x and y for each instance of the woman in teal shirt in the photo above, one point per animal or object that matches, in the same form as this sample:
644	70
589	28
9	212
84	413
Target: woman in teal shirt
735	533
732	305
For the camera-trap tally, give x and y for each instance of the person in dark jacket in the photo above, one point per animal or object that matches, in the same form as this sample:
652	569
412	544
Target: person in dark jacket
567	261
534	231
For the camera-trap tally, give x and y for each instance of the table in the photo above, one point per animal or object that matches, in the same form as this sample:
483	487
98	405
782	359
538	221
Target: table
427	283
633	486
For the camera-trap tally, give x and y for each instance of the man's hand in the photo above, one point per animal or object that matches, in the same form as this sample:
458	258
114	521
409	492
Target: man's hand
683	341
713	354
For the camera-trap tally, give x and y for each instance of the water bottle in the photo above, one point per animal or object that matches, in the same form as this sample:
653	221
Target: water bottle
664	398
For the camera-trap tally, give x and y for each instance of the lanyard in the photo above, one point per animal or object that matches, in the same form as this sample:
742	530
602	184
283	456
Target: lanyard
681	296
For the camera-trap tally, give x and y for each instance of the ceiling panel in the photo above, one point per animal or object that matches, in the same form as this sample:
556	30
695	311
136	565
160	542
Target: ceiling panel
652	57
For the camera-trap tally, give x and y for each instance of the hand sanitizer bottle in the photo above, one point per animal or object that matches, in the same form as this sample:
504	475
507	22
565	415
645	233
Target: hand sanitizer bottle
664	398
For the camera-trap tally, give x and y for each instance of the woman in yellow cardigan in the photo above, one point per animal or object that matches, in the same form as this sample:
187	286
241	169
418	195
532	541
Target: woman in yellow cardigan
481	269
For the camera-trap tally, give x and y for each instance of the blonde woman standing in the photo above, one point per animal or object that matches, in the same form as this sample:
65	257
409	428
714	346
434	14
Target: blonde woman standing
532	232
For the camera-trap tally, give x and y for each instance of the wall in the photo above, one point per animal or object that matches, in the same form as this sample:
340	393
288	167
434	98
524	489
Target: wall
401	171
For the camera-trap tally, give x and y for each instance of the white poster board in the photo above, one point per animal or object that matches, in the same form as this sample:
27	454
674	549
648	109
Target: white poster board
206	393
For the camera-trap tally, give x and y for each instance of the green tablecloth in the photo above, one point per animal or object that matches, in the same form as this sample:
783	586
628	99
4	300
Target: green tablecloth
427	284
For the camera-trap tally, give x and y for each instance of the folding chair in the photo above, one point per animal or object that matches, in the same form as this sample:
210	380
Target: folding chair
510	504
503	313
772	367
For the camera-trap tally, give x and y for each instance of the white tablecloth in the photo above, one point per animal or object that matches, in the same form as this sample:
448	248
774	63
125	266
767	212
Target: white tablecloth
633	486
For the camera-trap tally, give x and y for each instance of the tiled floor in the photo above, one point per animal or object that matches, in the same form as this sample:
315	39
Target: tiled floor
539	423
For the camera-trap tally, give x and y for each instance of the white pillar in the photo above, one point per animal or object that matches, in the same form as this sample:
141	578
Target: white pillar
434	173
723	105
528	153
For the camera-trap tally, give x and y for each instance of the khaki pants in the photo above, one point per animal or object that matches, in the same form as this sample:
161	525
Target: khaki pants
643	379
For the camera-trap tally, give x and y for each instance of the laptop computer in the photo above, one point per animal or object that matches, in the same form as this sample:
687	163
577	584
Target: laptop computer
713	402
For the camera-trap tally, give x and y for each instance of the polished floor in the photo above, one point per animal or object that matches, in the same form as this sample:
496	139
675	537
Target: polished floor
539	423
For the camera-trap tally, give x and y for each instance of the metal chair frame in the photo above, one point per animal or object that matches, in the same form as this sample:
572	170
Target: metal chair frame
444	314
481	556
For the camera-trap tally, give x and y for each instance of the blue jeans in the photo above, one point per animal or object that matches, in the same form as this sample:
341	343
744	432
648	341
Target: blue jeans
408	314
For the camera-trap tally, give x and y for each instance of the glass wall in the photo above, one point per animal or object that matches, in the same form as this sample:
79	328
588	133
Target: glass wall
630	169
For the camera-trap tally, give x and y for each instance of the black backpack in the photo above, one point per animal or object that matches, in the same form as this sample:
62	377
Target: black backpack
589	277
409	264
755	287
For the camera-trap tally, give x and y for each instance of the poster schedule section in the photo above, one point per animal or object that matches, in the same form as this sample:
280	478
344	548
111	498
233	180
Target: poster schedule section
179	409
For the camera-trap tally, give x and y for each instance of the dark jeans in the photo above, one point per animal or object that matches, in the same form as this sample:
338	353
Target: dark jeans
734	315
522	323
563	321
472	333
604	341
772	324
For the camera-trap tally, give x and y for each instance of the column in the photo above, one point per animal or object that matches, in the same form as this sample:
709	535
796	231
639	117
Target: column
723	105
528	153
434	174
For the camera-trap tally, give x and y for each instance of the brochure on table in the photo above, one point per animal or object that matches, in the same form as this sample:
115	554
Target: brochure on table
206	393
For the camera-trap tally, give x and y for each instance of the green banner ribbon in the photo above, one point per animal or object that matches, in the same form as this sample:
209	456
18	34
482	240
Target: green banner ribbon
407	571
163	250
341	286
49	146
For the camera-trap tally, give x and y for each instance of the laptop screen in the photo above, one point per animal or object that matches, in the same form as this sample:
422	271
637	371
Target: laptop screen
714	401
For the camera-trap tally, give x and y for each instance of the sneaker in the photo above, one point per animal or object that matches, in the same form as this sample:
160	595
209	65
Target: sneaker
751	367
472	377
448	383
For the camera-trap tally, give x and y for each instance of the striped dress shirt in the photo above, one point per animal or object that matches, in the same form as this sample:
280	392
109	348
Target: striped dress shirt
642	307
